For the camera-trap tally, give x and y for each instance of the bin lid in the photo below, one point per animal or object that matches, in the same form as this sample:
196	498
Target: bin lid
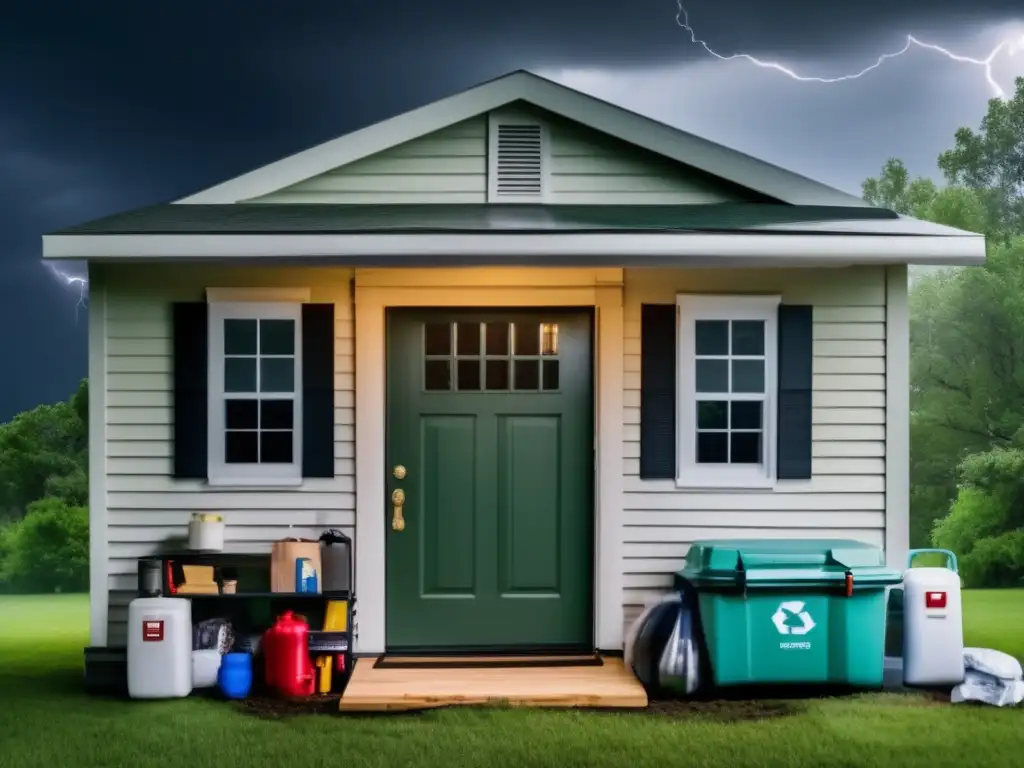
785	562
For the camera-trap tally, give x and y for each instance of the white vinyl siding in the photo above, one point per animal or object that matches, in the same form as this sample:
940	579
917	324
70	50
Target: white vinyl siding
147	509
450	166
845	498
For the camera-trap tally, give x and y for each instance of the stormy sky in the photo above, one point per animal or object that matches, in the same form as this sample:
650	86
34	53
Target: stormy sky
114	104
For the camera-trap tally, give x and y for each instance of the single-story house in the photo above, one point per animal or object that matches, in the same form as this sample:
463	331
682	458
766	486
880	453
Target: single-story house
574	338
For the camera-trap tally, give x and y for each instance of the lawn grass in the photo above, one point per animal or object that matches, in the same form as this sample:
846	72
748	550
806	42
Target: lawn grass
45	720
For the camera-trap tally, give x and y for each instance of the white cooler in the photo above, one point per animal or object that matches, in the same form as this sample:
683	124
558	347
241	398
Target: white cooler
159	648
933	624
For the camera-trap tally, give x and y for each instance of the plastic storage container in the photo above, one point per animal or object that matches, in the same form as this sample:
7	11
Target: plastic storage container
288	669
205	665
234	678
159	648
206	532
791	611
933	627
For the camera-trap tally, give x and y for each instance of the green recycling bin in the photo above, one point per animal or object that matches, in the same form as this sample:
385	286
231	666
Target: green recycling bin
791	611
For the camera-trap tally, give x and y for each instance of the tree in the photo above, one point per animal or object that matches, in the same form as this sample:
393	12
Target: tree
953	206
41	446
986	524
893	189
991	162
48	551
967	375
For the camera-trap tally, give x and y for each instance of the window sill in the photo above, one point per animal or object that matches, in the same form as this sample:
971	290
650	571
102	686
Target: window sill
244	483
725	484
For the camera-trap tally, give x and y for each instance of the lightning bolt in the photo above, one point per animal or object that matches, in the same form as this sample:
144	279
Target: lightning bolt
1011	47
77	283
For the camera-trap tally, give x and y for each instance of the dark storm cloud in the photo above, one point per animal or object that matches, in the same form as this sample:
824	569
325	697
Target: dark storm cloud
118	103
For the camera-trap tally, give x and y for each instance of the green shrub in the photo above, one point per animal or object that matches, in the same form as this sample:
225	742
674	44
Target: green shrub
996	561
48	551
985	525
6	533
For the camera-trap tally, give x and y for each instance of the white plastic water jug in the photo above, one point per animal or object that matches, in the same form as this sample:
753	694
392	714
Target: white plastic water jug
159	648
933	626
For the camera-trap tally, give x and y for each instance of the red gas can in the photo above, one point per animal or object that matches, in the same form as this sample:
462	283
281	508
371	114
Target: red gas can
286	652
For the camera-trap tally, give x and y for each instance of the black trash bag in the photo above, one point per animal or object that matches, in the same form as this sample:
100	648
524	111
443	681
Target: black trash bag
665	646
679	666
647	640
213	633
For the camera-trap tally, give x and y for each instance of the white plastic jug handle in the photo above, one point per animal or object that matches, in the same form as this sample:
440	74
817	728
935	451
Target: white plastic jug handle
950	557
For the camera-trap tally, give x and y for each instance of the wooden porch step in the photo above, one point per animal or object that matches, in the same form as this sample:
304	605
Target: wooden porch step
380	688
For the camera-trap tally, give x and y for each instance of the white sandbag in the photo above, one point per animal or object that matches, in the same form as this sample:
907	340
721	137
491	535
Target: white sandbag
987	689
990	677
995	663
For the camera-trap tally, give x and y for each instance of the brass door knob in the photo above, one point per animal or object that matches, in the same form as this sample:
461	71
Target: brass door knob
398	472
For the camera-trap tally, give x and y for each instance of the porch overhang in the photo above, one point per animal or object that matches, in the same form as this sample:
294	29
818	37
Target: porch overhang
640	250
738	234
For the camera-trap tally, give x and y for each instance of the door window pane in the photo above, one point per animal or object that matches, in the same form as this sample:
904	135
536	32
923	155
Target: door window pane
497	374
467	338
550	371
469	375
437	339
497	339
549	338
437	375
527	374
712	337
239	337
277	337
527	339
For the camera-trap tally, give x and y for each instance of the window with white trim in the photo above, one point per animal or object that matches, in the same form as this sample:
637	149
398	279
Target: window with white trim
727	358
255	389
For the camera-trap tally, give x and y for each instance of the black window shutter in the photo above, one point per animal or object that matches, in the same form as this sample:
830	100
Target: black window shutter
795	384
318	390
190	389
657	391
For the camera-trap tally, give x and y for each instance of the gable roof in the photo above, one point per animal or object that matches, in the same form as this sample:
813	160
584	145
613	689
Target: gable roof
716	159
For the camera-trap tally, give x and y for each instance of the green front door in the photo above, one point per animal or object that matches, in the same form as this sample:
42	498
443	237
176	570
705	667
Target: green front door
490	413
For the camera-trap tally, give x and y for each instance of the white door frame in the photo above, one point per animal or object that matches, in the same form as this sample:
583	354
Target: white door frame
378	289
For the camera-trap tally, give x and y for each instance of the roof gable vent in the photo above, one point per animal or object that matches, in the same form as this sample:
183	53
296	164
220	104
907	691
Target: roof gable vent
517	166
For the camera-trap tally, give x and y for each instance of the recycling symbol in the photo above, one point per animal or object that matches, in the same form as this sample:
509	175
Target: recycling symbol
791	619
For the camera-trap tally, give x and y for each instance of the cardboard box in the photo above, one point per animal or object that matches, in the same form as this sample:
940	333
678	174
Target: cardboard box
282	562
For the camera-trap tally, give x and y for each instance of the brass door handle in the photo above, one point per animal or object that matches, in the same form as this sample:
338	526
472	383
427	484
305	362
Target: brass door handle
397	502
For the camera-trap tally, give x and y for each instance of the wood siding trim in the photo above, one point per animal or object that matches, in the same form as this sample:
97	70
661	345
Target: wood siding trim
897	418
97	336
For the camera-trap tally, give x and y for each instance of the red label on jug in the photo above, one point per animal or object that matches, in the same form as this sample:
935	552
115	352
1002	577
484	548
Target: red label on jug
153	631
